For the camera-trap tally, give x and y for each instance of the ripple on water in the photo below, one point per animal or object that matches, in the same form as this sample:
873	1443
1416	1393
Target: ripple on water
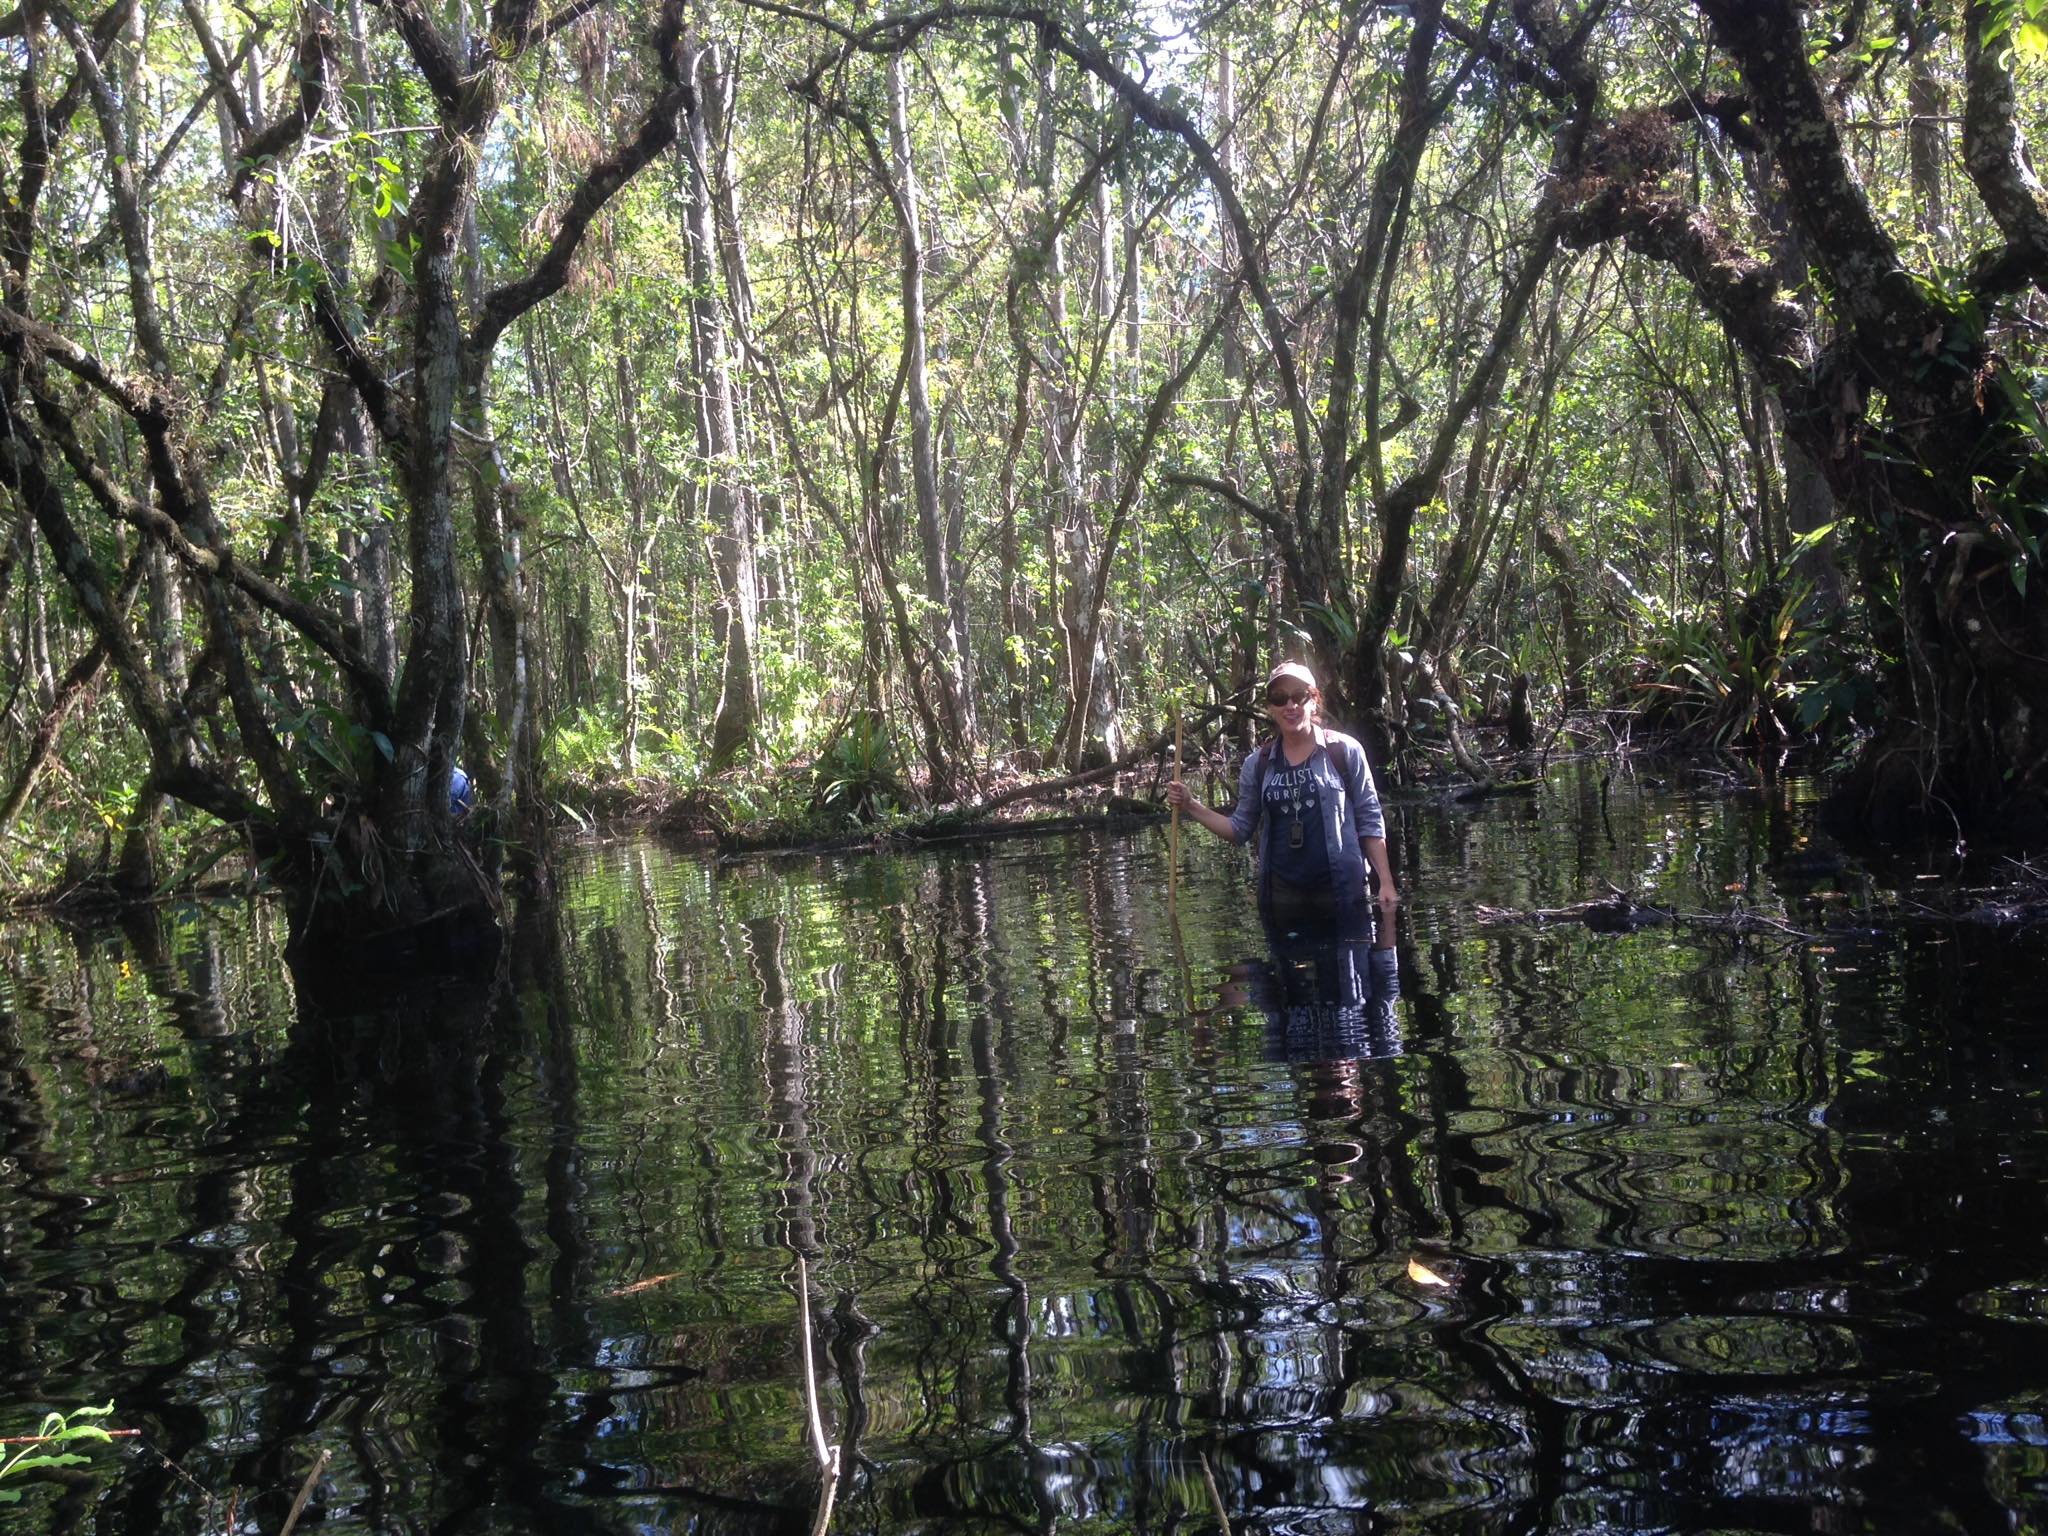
1728	1238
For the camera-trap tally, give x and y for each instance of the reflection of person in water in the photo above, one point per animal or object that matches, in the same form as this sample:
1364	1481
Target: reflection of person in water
1328	993
1328	996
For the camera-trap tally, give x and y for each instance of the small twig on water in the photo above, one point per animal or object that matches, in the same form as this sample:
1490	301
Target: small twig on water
305	1493
205	1493
642	1285
826	1453
112	1434
1215	1493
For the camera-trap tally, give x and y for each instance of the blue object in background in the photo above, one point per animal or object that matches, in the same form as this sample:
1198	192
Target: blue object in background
461	794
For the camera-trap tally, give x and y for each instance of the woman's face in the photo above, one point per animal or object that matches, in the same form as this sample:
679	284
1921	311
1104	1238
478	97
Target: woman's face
1292	704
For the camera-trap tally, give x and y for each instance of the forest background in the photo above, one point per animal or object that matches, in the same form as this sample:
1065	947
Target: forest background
816	412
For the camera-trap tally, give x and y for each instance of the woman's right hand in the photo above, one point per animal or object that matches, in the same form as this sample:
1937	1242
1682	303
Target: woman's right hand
1177	795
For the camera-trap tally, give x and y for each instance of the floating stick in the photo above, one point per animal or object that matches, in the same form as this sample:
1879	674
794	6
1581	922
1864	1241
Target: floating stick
826	1454
1215	1493
305	1493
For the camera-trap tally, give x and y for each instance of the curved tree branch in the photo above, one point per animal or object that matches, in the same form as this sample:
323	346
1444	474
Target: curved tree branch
1994	152
317	627
314	69
1281	529
1875	295
431	53
24	471
1738	288
507	303
564	19
219	68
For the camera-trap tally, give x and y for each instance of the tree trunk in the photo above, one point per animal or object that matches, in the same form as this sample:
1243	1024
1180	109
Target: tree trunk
634	557
956	705
372	606
1016	644
1930	444
1570	582
730	501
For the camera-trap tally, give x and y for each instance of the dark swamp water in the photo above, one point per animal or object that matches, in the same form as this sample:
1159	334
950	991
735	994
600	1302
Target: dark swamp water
1098	1230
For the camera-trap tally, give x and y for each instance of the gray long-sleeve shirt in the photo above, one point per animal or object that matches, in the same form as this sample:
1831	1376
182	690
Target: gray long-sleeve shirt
1347	798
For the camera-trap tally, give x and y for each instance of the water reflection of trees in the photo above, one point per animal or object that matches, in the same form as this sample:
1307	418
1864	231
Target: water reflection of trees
526	1259
1240	1295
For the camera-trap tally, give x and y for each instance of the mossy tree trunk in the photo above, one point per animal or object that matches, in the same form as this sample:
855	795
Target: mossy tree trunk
1897	391
286	721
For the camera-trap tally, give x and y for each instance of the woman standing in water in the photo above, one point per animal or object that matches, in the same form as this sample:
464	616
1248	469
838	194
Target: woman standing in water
1310	792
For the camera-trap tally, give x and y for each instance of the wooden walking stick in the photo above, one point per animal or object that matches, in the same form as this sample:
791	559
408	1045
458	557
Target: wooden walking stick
1180	949
1173	825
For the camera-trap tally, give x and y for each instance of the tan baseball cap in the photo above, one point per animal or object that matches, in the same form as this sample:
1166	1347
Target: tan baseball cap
1295	670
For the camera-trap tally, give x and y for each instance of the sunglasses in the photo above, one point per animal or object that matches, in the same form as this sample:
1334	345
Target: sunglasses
1282	700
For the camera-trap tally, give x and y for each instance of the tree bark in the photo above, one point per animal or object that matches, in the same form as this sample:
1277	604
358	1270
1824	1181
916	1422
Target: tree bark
1928	443
730	502
943	641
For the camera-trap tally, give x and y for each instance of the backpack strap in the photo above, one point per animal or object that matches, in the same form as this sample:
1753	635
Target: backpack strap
1355	770
1358	779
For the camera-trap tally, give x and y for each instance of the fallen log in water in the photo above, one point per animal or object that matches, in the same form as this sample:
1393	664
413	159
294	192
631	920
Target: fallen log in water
2016	904
1622	914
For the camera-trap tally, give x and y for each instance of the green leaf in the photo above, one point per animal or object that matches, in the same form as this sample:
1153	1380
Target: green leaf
47	1459
2023	405
1802	542
324	749
1335	620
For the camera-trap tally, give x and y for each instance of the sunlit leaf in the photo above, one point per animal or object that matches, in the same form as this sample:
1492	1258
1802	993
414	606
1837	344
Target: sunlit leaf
1422	1274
